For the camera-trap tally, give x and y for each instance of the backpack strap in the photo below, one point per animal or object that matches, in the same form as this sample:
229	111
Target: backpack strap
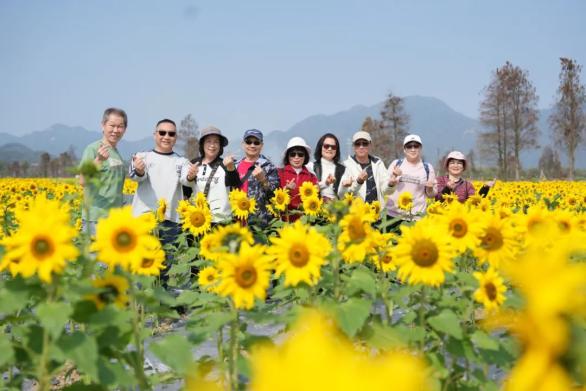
426	167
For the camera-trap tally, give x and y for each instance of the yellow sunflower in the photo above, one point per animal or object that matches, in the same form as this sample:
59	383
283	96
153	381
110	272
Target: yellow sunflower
197	220
498	241
462	226
281	200
122	239
449	198
299	253
312	205
491	290
242	206
538	227
225	239
423	254
201	201
383	258
405	201
151	264
162	210
315	355
43	243
356	241
375	209
208	278
348	198
182	207
245	276
113	290
308	190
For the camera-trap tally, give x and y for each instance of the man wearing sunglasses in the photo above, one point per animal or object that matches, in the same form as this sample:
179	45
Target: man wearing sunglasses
366	176
258	176
160	174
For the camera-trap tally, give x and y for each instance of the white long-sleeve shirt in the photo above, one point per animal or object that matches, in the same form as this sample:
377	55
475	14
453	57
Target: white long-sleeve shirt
164	174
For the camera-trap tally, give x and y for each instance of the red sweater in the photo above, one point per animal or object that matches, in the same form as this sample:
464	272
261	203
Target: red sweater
286	174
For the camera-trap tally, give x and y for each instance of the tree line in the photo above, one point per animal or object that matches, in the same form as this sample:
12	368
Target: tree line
509	116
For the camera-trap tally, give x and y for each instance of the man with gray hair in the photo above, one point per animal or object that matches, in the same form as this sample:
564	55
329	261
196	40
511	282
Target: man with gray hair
106	193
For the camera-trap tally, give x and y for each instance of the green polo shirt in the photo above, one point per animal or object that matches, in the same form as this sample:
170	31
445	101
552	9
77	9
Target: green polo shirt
109	193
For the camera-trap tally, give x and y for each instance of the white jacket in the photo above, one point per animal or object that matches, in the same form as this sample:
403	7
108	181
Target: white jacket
353	170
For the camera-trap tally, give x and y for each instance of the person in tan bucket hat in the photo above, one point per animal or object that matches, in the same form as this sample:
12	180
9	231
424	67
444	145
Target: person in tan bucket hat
216	174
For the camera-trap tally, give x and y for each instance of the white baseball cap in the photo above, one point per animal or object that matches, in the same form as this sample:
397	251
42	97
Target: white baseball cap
361	135
412	137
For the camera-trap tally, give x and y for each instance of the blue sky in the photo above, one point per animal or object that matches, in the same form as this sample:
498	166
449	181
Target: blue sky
266	64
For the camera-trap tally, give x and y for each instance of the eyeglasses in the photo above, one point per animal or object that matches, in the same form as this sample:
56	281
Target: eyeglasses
359	144
163	133
412	146
251	141
296	154
330	146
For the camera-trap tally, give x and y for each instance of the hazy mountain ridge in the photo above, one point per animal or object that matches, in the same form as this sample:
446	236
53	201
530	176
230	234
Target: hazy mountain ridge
441	128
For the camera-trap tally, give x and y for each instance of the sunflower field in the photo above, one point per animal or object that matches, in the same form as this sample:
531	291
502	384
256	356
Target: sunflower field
490	294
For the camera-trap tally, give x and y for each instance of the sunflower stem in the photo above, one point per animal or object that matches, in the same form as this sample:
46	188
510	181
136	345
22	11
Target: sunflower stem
383	291
137	333
422	298
232	363
336	267
220	346
43	375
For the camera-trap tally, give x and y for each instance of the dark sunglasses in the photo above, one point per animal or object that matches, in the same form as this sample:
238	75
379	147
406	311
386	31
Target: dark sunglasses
330	146
412	146
251	141
361	144
163	133
296	154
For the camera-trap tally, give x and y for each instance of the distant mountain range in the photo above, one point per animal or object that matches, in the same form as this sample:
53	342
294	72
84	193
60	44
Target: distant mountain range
441	128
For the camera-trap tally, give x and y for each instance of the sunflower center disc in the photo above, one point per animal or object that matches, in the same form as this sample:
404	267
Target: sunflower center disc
490	290
147	262
109	294
356	230
124	240
492	240
246	276
424	253
458	228
42	248
196	219
299	255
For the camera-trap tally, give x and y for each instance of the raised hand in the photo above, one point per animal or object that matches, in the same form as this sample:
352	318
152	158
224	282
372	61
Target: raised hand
330	179
397	171
362	177
348	181
192	171
259	174
291	184
139	165
229	163
103	153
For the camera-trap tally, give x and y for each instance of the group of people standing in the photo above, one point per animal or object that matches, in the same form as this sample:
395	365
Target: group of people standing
163	174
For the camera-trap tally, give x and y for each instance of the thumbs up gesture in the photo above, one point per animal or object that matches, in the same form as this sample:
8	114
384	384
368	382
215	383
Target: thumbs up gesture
229	163
139	165
192	171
